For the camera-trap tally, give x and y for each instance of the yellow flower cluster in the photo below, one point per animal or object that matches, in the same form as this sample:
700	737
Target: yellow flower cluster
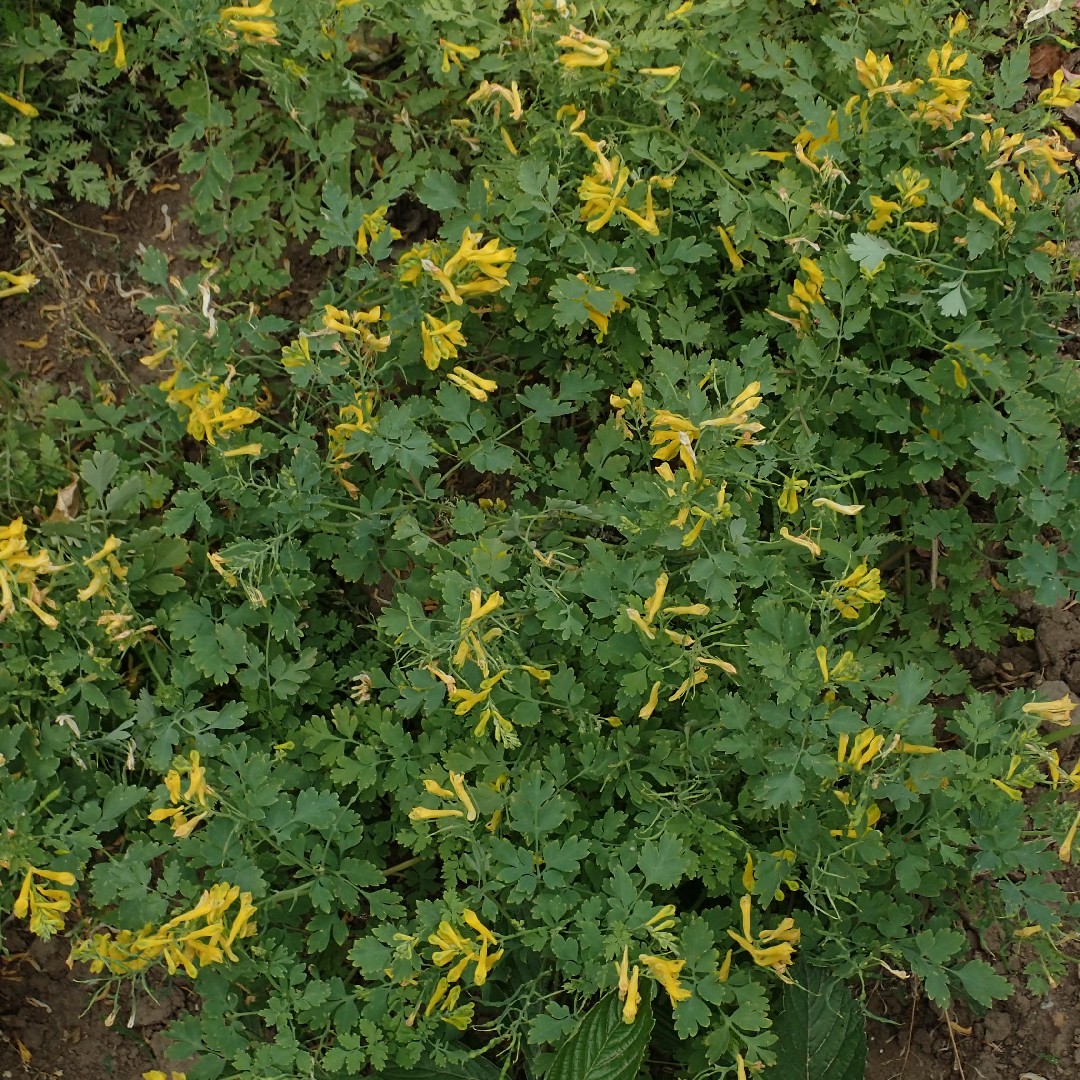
805	292
192	940
470	640
774	949
459	950
597	317
861	587
103	564
632	400
1004	204
441	340
204	401
664	972
195	798
583	50
255	22
355	324
473	270
43	906
352	418
372	226
19	571
459	793
17	284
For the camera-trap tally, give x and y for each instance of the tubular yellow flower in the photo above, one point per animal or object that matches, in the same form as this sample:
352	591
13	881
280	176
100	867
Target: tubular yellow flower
883	212
788	501
583	50
666	973
457	781
850	509
633	997
652	605
255	22
864	748
441	340
1056	712
1058	94
372	226
649	707
478	607
674	436
669	72
424	813
17	284
1065	851
452	53
23	107
737	262
862	586
476	387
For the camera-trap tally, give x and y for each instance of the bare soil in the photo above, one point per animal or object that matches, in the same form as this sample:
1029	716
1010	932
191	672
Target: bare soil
50	1031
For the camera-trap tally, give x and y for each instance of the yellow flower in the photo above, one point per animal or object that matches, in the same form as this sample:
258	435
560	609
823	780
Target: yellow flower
674	436
255	22
845	669
441	340
43	907
883	212
862	586
633	997
120	59
372	226
423	813
355	324
1058	94
788	501
452	53
17	284
468	699
157	1074
23	107
910	185
737	262
196	797
1065	851
762	949
650	705
511	95
1057	712
454	947
669	72
19	571
583	50
666	973
802	541
476	387
839	508
863	749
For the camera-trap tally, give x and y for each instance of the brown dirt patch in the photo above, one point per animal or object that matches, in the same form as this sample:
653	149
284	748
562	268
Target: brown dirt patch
44	1008
81	317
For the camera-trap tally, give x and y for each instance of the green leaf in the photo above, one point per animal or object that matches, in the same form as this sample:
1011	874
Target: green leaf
982	983
868	251
821	1030
952	302
466	1070
603	1047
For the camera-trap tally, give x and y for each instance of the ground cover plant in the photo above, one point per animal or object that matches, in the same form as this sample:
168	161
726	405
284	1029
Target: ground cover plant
536	662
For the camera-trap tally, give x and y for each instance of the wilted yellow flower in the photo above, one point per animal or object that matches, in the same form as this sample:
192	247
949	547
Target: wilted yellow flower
511	95
850	509
802	541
